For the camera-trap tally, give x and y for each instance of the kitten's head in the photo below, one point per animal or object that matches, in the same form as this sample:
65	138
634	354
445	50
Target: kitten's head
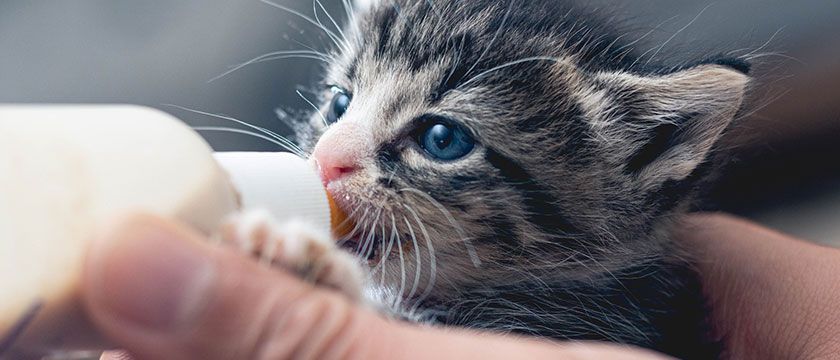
479	142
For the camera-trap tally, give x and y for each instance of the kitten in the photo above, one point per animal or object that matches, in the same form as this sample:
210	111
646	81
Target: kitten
515	167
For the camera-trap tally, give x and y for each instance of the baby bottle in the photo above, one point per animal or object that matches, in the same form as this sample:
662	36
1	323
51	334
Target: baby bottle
66	171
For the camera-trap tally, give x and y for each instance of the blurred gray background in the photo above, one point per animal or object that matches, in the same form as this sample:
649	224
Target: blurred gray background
155	52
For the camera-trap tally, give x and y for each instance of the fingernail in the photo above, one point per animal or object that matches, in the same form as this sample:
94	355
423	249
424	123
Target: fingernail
148	274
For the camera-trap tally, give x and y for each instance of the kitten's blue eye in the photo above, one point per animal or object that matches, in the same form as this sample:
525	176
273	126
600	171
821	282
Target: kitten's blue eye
445	141
338	106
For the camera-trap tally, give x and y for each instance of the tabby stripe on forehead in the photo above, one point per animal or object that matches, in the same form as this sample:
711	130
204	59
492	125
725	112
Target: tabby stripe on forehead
459	45
541	205
353	69
386	20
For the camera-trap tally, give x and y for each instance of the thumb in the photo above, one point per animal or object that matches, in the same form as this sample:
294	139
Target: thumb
160	291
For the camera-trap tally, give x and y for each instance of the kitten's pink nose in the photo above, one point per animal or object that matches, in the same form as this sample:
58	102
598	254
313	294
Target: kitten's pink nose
340	150
334	169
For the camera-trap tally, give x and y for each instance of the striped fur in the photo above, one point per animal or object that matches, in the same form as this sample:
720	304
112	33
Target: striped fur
555	224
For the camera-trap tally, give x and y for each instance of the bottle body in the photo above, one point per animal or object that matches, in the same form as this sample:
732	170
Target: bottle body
65	173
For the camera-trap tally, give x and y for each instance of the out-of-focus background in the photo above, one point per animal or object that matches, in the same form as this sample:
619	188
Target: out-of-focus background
156	52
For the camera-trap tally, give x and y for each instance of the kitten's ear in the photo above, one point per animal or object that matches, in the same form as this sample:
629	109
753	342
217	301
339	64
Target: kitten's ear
662	127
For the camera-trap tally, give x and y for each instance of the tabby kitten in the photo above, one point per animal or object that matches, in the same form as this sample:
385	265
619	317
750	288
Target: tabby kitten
515	167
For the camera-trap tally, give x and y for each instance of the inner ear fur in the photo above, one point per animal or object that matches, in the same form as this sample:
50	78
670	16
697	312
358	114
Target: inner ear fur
663	126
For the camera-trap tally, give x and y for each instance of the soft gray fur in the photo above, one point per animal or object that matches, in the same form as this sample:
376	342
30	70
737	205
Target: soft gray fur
556	223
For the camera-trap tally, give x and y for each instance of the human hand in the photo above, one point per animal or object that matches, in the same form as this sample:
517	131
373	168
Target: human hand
772	296
161	291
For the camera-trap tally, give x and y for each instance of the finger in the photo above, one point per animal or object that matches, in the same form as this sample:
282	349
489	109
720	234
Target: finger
418	343
159	291
772	296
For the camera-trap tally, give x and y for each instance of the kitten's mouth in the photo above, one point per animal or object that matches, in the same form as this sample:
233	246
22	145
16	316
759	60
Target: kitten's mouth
363	244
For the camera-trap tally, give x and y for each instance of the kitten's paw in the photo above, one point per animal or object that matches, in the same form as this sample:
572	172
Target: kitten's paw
298	247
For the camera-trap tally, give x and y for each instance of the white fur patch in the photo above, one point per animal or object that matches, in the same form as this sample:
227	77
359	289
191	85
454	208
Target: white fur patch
298	246
365	5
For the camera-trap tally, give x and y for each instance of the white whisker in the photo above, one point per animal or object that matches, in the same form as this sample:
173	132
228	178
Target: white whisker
285	143
677	34
333	37
348	10
432	258
446	213
507	65
241	131
628	48
766	43
337	28
370	240
314	107
403	279
358	224
492	41
387	251
418	262
276	55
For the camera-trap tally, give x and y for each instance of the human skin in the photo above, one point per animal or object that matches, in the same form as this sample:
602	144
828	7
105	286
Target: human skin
160	290
773	296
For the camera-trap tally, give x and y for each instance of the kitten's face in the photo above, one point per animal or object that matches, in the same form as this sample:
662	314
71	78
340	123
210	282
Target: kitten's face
475	143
